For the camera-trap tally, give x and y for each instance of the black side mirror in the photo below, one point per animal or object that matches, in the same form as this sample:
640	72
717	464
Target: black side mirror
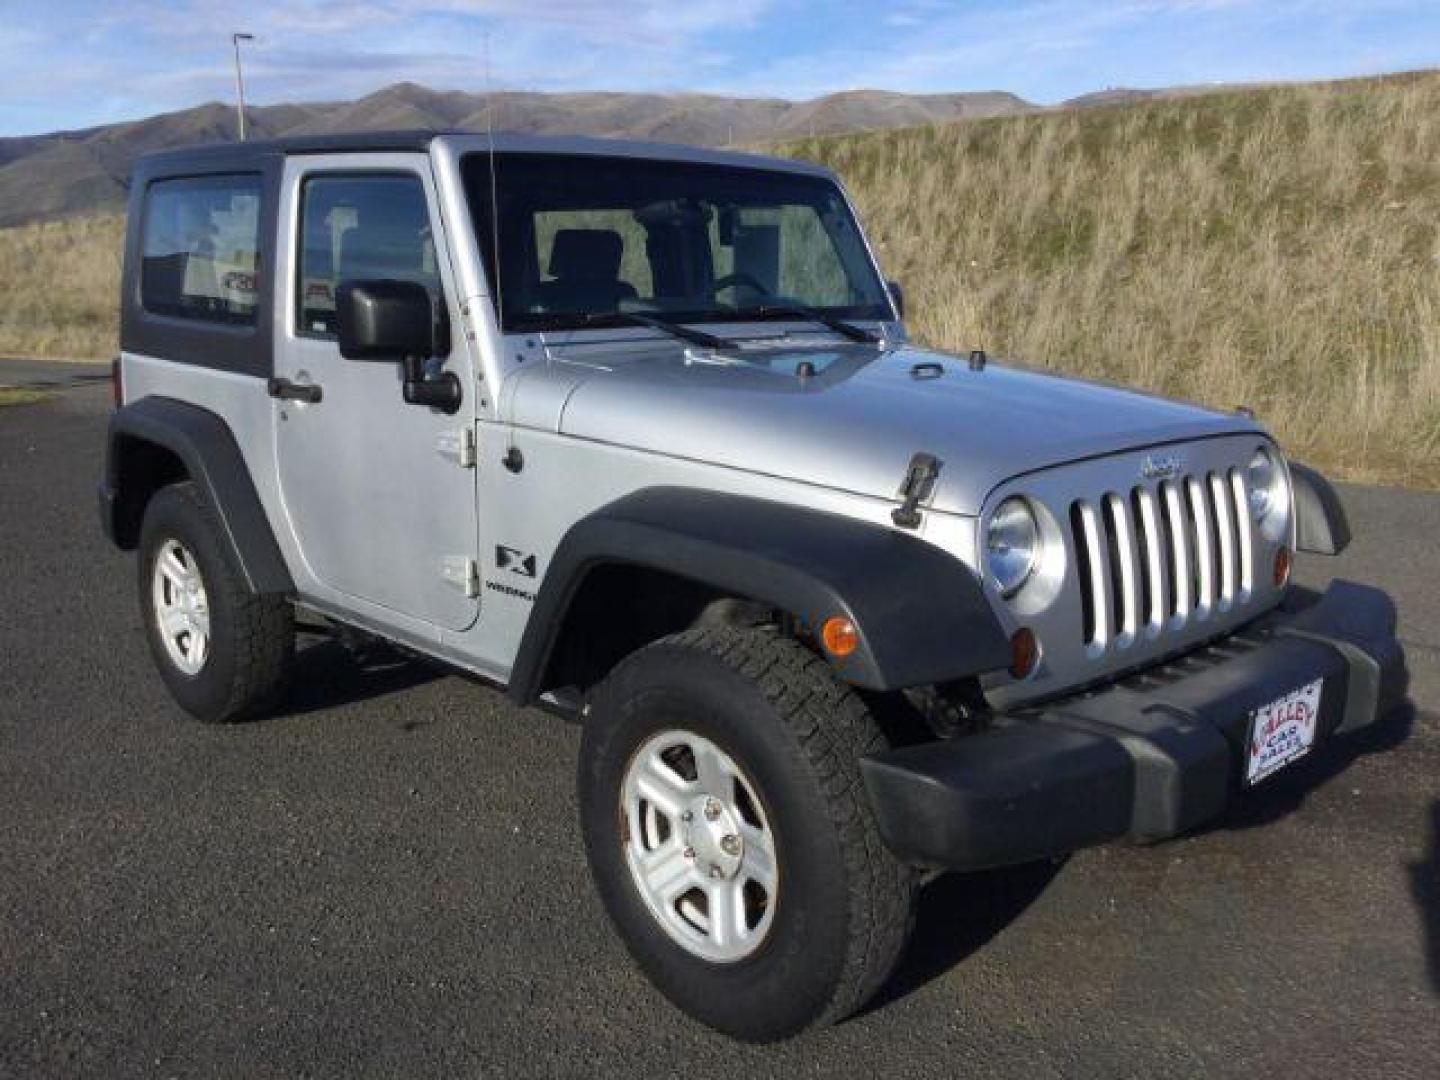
394	320
897	296
384	320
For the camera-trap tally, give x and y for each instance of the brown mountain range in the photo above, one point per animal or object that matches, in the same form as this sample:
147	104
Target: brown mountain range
72	173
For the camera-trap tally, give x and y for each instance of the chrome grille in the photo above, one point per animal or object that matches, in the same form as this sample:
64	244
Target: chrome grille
1158	557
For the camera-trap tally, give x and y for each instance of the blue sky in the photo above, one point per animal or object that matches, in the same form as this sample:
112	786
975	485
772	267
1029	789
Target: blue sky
74	63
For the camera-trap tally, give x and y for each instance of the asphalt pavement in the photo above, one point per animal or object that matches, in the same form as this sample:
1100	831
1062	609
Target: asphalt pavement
386	878
51	374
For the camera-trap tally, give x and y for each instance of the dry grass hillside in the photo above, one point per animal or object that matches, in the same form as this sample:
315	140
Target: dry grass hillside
1276	248
59	288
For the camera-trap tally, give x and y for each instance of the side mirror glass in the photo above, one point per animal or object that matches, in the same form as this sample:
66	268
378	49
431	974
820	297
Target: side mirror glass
897	296
384	320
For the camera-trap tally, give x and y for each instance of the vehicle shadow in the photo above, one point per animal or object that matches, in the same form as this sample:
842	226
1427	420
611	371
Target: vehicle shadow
326	675
1425	884
958	914
1286	792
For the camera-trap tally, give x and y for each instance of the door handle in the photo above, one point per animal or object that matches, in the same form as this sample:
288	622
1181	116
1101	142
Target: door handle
286	390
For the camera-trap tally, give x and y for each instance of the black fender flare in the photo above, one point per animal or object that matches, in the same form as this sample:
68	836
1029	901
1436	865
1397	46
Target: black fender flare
922	614
205	445
1320	523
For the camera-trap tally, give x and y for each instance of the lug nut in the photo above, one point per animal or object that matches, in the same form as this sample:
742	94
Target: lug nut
712	809
689	853
716	872
730	844
687	816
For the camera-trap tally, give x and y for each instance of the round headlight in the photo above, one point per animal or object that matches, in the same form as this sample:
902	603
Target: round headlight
1012	545
1269	494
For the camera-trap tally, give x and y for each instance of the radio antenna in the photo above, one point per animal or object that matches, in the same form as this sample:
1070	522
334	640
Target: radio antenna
494	190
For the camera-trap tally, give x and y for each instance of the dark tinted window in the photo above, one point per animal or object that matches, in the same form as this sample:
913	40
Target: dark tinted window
582	237
361	228
201	251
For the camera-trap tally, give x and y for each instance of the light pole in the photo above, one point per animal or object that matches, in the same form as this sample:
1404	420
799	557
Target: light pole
235	40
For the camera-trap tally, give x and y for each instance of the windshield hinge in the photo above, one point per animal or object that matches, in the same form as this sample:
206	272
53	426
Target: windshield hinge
917	486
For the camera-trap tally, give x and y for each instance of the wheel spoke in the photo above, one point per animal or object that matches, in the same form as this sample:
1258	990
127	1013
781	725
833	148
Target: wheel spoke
661	785
759	862
727	912
667	873
199	642
713	771
174	570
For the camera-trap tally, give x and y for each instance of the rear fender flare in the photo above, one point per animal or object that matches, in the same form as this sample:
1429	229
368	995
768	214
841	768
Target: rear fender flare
205	446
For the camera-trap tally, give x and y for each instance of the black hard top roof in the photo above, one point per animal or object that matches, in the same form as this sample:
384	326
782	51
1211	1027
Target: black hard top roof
227	155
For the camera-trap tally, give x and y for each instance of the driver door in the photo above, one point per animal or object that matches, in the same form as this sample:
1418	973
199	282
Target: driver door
378	493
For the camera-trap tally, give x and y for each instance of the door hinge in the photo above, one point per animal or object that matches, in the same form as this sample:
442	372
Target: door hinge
462	572
458	446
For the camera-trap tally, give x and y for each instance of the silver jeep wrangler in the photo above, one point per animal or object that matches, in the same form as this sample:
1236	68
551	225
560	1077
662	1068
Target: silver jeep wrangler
634	432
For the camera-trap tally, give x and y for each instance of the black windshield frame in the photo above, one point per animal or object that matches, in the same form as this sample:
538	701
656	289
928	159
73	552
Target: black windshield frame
531	183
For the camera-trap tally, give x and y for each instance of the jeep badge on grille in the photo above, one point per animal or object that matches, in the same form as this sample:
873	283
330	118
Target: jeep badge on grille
1161	466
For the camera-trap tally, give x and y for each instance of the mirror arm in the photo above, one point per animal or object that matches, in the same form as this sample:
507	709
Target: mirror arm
440	391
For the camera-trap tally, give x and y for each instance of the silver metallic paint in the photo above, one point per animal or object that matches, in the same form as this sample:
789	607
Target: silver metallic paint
855	425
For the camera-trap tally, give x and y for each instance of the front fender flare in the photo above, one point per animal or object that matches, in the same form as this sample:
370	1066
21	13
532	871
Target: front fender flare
922	613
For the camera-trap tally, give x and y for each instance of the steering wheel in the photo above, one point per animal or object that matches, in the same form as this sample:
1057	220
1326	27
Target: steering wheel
729	281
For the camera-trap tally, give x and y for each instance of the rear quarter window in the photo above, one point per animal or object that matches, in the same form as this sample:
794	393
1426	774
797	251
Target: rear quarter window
200	249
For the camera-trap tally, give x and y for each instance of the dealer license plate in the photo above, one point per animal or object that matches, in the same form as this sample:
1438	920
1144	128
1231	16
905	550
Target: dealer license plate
1282	731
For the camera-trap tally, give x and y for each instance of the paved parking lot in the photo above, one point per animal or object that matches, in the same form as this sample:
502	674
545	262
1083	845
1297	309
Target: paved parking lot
387	878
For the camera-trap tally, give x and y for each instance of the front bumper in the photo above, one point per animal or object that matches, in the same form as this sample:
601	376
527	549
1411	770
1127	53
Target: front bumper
1146	759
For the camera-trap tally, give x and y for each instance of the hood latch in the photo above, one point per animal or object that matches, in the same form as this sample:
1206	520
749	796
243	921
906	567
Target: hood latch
919	482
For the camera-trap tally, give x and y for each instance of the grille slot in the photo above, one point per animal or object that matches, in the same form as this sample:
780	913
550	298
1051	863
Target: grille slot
1155	558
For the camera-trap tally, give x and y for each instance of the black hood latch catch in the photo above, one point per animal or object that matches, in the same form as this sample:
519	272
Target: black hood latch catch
919	483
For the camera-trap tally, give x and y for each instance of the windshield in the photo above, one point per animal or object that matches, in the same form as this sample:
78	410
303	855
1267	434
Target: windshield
582	237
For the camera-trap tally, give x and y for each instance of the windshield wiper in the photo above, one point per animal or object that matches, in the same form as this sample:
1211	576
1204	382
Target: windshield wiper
840	326
684	333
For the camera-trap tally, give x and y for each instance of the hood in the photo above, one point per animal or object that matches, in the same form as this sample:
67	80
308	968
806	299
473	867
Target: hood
856	422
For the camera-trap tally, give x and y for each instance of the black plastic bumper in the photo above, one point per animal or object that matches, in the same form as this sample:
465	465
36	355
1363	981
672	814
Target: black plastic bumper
1143	760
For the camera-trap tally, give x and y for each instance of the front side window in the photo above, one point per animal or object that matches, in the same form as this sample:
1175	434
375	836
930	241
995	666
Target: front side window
360	228
200	256
582	237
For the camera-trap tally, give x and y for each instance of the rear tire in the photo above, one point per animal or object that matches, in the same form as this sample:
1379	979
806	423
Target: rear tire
828	925
222	650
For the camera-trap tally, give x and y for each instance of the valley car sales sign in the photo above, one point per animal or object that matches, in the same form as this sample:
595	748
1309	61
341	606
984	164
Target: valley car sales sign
1282	731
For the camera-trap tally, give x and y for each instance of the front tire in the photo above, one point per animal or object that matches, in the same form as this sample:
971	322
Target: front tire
222	650
729	833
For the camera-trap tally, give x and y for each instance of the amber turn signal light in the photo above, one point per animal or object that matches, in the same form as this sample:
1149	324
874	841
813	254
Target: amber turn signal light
839	636
1282	567
1024	652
